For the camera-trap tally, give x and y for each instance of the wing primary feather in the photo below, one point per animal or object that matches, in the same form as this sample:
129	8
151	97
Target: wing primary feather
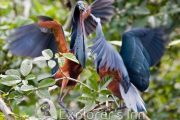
105	51
141	49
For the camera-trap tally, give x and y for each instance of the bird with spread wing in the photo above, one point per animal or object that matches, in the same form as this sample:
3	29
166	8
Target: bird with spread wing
30	40
83	24
141	49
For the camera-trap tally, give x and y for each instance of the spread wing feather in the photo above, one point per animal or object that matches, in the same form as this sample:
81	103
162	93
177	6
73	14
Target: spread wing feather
102	9
30	41
107	56
142	48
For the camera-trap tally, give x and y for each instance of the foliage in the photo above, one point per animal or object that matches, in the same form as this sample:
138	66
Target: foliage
27	86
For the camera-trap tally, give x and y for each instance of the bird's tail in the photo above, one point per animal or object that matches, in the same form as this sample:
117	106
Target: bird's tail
132	99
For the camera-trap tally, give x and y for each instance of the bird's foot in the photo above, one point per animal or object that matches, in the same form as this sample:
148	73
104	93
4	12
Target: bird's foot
69	114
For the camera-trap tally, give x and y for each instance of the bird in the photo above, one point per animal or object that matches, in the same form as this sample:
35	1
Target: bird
141	49
30	40
82	24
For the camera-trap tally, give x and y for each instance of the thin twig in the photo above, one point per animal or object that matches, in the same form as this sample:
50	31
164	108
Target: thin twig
74	81
6	111
113	97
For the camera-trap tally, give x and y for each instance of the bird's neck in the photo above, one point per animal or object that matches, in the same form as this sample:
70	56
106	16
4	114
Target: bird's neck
61	40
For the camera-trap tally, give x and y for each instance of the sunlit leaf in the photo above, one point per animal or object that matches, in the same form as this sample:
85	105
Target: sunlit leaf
30	77
117	43
51	63
175	42
12	72
43	93
48	54
46	83
70	56
140	11
26	88
26	67
10	80
43	76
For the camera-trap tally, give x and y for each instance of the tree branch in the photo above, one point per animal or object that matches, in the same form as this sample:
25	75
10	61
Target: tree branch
6	111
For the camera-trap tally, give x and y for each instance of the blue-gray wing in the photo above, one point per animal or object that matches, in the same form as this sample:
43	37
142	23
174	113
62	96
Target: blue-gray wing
106	56
142	48
29	40
102	9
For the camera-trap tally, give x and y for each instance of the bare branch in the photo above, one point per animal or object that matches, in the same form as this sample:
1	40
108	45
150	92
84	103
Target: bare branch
6	111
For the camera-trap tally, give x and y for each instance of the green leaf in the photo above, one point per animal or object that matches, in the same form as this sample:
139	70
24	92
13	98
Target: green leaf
103	98
140	11
26	88
51	63
92	84
70	56
43	93
117	43
25	82
48	54
40	58
10	80
61	61
43	76
26	67
12	72
105	92
46	83
31	77
90	105
105	83
175	42
85	99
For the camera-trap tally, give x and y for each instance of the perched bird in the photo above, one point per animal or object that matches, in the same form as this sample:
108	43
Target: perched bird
141	49
83	24
31	40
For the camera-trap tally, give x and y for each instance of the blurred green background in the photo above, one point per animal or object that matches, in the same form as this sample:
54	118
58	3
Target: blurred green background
163	95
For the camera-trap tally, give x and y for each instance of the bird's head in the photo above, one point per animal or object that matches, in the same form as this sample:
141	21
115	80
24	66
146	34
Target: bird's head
81	5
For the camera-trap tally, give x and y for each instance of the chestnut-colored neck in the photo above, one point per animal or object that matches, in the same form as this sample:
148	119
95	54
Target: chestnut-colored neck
61	40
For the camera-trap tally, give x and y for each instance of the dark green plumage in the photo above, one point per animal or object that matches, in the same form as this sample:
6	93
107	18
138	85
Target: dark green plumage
141	49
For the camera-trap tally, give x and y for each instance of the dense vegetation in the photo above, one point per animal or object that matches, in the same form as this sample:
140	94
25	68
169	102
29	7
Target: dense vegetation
25	85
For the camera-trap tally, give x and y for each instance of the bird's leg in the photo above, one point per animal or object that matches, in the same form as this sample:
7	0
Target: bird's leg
69	114
65	94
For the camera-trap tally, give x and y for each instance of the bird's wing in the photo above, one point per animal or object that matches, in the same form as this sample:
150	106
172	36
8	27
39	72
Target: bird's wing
75	22
99	8
102	9
142	48
30	40
77	44
108	57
